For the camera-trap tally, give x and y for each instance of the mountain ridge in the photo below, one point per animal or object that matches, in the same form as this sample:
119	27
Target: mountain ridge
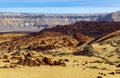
35	22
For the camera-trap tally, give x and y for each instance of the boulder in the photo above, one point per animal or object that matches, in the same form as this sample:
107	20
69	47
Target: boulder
13	65
112	73
118	65
47	61
5	56
60	62
29	54
66	60
7	60
99	77
40	61
117	71
6	66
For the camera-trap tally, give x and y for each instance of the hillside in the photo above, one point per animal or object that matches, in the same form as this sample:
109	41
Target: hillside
39	42
108	46
92	28
10	36
111	37
67	36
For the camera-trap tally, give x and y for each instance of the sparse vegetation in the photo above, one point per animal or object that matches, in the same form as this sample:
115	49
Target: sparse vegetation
111	55
92	67
97	61
109	62
104	68
87	51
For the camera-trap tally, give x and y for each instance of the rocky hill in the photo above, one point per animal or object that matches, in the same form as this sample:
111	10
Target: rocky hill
66	36
39	42
89	28
36	22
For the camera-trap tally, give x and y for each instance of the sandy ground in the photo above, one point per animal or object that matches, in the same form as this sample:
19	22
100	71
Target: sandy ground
70	71
102	48
7	37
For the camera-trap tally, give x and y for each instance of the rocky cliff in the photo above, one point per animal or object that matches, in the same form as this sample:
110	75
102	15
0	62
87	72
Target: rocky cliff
36	22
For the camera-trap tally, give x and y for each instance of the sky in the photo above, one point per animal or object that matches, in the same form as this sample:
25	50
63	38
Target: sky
60	6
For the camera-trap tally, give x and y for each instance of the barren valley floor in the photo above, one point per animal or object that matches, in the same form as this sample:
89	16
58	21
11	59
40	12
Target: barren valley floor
71	70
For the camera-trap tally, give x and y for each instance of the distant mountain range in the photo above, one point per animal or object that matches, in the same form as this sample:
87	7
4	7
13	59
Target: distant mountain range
28	22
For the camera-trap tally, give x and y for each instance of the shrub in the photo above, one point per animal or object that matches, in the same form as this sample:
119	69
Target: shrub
92	67
108	62
104	68
97	61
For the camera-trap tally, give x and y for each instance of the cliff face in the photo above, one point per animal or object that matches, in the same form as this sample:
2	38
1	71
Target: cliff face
36	22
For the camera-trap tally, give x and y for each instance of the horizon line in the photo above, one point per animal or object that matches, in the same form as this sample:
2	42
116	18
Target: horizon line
62	10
